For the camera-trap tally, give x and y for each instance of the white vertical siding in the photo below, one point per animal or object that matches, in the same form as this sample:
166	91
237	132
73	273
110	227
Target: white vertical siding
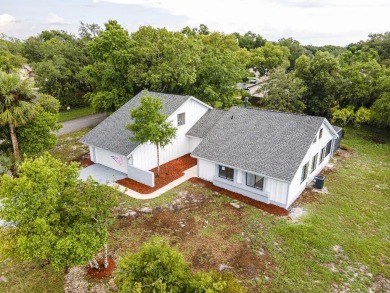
278	191
111	160
296	186
206	170
145	156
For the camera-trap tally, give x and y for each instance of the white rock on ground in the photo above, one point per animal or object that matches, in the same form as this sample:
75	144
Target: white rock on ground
223	267
296	213
146	210
3	279
236	205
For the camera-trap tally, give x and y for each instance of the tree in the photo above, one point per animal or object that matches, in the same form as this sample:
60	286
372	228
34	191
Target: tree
296	50
381	110
361	74
39	135
222	64
56	217
150	125
321	76
10	55
269	57
57	58
250	40
109	75
164	61
16	105
284	92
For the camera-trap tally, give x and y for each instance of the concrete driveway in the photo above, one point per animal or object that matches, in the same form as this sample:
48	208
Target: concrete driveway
101	174
80	123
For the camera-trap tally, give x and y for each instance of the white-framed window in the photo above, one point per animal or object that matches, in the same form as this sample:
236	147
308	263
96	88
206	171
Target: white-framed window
314	163
255	181
181	119
305	170
320	135
322	156
226	173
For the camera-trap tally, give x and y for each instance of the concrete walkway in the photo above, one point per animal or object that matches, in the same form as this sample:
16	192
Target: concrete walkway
101	174
192	172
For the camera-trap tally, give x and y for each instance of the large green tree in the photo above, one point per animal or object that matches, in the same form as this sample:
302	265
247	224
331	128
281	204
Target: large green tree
16	105
284	92
150	125
10	55
296	50
57	59
321	76
55	216
269	57
164	61
110	75
250	40
222	64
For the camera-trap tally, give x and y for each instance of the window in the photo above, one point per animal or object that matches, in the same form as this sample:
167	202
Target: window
322	156
255	181
226	173
304	172
314	163
181	119
320	135
328	147
315	139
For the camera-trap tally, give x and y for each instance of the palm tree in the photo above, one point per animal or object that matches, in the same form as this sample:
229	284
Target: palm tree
16	105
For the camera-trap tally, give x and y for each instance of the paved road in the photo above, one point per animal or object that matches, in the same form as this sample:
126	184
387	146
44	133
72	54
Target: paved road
80	123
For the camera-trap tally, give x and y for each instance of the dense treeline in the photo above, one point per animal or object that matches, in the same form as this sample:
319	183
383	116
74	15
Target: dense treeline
105	67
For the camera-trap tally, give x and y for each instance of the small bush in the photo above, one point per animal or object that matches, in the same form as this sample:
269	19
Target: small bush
158	268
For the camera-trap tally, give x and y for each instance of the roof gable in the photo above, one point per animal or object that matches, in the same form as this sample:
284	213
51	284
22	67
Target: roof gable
265	142
112	134
206	123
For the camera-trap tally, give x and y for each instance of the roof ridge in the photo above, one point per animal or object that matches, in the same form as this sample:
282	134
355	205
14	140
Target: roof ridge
276	111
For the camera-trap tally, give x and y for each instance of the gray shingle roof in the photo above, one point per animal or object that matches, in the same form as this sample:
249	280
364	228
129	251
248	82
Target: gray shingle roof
265	142
112	134
337	128
204	124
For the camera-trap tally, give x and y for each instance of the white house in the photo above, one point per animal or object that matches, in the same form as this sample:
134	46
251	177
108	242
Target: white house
110	143
268	156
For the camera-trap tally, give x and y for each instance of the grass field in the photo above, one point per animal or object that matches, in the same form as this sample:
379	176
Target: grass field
74	113
342	243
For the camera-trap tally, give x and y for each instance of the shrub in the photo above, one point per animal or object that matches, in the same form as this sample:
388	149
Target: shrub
158	268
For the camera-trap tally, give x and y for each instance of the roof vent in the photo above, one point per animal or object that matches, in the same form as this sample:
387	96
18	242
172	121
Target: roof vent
246	102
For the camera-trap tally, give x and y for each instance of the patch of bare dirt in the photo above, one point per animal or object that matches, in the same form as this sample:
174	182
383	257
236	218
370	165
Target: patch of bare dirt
209	235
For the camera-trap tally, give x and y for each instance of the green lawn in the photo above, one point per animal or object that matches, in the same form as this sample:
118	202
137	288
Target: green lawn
74	113
343	242
354	215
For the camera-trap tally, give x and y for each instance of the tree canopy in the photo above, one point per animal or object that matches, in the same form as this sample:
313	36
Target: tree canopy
55	217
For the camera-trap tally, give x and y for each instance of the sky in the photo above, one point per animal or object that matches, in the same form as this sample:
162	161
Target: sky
311	22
